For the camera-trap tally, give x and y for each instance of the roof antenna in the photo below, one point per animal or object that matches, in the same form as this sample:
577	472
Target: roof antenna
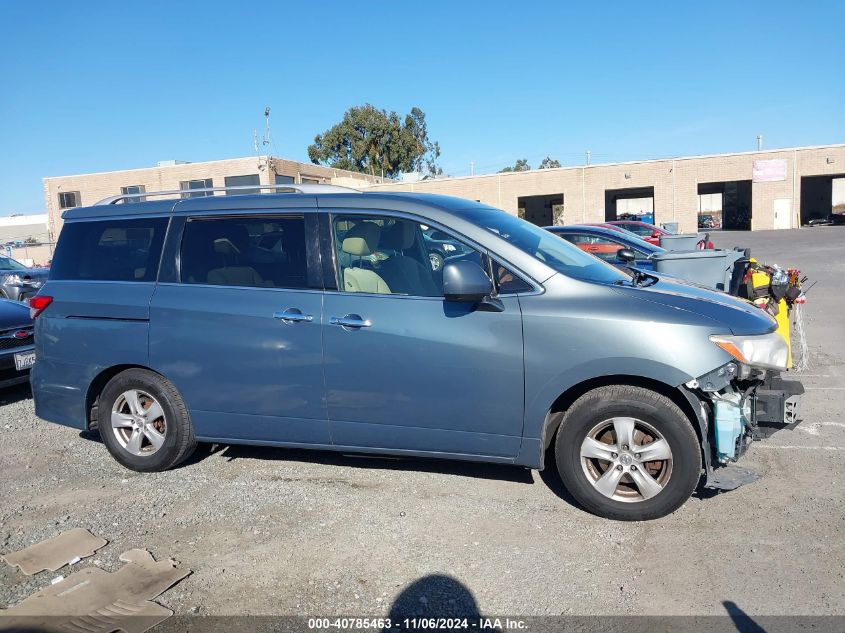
266	140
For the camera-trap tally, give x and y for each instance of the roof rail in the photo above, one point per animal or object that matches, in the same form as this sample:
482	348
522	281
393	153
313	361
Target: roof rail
287	188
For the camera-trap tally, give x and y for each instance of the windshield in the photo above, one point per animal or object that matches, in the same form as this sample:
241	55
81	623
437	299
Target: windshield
7	263
556	253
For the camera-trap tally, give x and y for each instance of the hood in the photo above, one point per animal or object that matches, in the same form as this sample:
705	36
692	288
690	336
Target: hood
739	316
14	314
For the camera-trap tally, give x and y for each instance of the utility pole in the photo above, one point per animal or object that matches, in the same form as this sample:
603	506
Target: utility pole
589	156
759	142
472	168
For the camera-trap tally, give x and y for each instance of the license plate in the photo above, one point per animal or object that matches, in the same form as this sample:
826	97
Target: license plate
24	360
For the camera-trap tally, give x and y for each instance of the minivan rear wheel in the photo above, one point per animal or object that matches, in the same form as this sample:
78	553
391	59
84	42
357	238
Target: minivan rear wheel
143	421
628	453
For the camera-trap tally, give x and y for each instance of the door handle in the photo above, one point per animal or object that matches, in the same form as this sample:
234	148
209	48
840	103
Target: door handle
293	315
351	321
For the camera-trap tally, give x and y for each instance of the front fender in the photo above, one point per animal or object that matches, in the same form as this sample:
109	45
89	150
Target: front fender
540	400
540	420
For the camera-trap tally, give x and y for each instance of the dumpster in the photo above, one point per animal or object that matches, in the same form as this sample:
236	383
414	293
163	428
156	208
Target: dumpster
711	268
683	242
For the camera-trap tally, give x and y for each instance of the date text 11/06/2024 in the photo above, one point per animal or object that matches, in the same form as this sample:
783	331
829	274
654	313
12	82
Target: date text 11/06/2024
415	624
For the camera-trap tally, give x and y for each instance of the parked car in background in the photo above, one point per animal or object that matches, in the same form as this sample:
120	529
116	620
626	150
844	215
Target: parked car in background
17	353
706	222
649	232
17	282
440	246
606	243
169	322
818	222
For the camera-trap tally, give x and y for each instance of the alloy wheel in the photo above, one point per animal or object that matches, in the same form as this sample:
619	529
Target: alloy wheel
138	422
626	459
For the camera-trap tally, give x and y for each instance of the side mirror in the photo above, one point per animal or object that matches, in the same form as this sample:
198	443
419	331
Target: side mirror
626	255
655	234
465	282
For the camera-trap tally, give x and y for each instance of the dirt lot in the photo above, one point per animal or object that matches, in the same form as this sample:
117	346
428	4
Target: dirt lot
270	531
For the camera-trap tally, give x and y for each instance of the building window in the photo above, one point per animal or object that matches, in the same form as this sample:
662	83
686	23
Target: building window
242	181
68	199
284	180
187	185
133	189
310	181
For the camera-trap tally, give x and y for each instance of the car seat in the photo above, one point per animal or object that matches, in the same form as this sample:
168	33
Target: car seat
404	273
362	240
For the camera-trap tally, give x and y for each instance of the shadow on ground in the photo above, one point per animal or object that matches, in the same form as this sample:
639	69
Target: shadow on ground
15	394
478	470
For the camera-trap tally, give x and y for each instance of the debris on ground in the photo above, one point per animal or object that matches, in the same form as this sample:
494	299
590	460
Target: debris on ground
95	600
67	548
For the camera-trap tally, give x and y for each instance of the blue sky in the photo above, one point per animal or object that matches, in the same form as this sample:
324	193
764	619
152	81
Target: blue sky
96	86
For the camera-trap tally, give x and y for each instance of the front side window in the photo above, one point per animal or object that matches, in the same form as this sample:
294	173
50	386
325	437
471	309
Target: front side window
388	255
508	282
109	250
190	187
68	199
243	181
257	252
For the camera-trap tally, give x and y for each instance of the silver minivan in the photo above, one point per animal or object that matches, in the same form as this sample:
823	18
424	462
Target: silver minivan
317	318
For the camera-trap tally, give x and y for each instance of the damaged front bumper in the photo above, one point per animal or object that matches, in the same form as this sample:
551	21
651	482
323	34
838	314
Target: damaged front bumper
735	405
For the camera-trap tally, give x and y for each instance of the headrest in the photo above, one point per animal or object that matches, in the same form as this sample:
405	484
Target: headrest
362	239
224	246
400	236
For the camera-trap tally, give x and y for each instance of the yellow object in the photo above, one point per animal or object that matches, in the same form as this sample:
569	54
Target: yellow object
761	280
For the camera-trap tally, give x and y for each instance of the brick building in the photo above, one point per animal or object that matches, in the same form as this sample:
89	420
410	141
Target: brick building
64	192
774	189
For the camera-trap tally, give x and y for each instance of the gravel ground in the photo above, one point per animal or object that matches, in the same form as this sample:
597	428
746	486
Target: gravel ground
270	531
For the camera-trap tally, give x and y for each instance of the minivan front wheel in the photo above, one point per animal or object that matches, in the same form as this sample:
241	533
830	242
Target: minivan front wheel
628	453
143	421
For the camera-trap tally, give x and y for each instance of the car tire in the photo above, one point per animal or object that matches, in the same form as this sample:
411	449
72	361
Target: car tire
437	260
612	478
132	429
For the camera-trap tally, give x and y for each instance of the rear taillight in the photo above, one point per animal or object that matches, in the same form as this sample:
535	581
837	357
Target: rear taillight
38	304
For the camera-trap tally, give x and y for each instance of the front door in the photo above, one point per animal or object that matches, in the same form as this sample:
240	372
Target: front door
240	336
406	370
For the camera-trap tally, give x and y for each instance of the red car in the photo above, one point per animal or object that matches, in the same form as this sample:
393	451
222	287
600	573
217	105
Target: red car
643	230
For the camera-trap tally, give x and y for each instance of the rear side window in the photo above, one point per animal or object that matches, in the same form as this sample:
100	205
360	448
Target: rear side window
258	252
109	250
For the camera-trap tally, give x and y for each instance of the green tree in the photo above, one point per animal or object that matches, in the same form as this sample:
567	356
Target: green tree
520	165
377	142
549	163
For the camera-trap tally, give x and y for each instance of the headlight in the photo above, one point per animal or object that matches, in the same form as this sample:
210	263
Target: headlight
449	248
14	280
762	350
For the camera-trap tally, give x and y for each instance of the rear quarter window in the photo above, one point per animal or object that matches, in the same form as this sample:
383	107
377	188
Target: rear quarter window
109	250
